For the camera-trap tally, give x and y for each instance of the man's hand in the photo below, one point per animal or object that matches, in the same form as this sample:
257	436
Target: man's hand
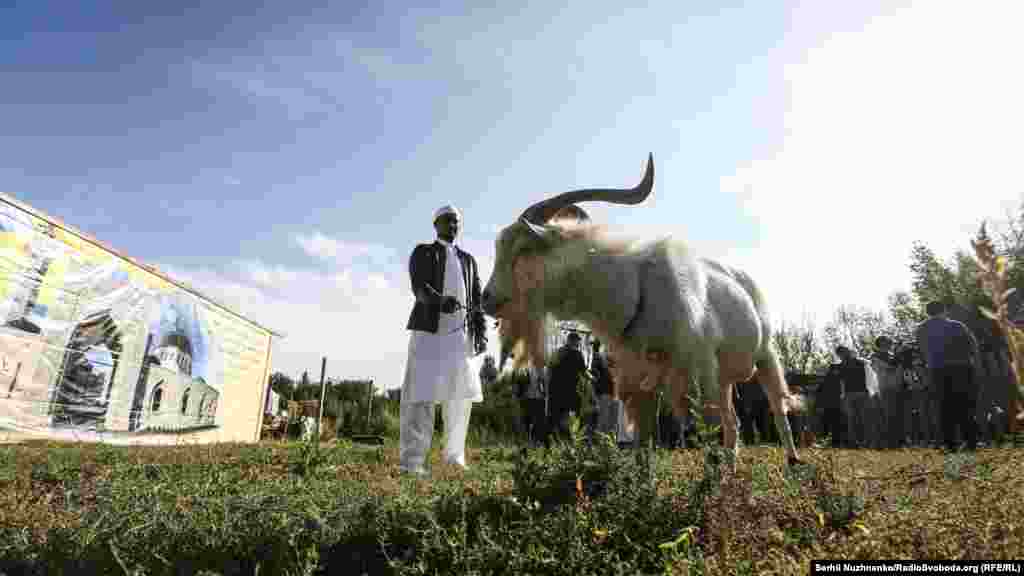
449	304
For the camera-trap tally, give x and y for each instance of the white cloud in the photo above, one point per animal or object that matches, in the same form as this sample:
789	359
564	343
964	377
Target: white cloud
908	130
352	314
334	251
356	320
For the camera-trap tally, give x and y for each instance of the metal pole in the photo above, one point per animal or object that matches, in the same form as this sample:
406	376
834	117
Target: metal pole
369	405
323	394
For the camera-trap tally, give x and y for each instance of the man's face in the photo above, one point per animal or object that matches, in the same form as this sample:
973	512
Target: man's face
447	226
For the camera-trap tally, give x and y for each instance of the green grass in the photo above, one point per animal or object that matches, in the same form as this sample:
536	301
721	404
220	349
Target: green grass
289	508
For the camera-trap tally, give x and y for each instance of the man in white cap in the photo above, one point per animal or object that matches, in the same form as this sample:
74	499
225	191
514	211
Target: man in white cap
448	329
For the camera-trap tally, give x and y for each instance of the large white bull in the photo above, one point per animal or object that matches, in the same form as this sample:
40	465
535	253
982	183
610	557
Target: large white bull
667	314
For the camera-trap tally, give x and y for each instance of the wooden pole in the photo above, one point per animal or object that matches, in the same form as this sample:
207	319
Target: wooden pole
1012	409
323	394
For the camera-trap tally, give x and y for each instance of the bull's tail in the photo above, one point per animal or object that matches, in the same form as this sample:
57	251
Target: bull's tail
773	381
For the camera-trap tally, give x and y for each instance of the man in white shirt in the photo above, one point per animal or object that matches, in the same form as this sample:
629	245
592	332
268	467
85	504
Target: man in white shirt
448	329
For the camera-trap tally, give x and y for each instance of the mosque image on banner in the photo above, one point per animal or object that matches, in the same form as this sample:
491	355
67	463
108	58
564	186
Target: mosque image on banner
95	346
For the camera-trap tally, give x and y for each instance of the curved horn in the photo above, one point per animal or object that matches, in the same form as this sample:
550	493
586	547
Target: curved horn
542	211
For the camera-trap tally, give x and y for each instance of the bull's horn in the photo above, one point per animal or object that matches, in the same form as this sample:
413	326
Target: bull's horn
542	211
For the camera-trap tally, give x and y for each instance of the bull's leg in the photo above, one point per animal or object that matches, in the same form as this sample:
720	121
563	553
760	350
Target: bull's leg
733	367
708	377
727	414
639	405
773	382
646	419
678	390
628	373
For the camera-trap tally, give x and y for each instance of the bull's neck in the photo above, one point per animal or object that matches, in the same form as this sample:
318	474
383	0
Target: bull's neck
578	287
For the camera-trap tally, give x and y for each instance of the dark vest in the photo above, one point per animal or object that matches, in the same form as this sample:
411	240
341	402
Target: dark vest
853	375
426	270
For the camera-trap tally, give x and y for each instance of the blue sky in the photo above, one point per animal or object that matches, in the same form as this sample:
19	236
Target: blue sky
287	158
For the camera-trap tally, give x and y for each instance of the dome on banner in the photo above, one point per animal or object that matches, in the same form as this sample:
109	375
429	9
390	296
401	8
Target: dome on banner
175	337
175	351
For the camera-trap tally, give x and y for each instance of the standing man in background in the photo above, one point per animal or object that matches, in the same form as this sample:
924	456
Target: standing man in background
918	412
488	372
950	350
448	329
755	412
532	392
830	402
860	429
604	390
563	394
890	393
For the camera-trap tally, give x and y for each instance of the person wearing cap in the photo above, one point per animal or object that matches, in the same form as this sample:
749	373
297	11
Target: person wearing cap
447	330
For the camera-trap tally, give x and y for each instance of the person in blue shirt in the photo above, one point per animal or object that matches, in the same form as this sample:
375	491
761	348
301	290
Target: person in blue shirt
950	352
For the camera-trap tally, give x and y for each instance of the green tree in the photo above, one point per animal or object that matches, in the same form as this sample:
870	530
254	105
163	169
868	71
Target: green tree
1007	237
933	279
905	313
800	347
856	327
284	386
955	283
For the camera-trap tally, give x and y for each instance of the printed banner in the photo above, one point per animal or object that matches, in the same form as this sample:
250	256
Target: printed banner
96	348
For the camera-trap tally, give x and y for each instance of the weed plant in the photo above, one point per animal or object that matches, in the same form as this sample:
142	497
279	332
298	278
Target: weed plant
578	507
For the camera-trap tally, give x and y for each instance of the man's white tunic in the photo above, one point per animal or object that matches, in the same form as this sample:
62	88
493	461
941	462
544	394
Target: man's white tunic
438	368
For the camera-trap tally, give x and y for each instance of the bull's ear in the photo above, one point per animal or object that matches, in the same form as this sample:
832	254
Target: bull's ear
538	230
545	234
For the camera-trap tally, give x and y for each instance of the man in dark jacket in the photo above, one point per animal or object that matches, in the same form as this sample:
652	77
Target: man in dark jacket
829	401
856	398
447	329
563	394
754	411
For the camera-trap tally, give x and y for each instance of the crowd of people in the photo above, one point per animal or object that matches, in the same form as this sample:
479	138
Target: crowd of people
548	395
923	394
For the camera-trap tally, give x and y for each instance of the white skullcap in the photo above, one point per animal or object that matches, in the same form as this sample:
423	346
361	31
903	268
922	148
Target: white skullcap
447	209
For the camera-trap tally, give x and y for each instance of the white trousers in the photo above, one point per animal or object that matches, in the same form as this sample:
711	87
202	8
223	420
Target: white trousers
417	430
624	433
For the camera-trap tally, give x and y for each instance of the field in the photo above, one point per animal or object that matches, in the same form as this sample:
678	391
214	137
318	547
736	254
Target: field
289	508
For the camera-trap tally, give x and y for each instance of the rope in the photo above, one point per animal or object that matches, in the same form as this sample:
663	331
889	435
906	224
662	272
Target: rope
458	306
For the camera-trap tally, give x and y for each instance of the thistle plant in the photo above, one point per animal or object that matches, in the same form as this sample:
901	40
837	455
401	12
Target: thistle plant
994	281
